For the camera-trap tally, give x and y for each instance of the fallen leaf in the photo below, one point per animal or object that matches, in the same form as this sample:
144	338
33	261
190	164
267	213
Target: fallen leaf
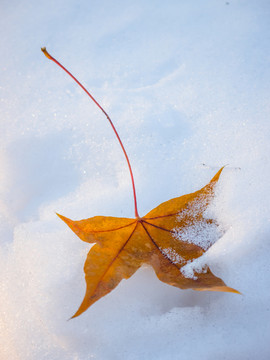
123	245
163	238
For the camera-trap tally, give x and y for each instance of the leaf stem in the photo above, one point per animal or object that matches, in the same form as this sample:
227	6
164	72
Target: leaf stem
107	116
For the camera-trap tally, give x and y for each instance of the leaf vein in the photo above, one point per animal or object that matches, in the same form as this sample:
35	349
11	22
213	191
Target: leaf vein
119	228
156	245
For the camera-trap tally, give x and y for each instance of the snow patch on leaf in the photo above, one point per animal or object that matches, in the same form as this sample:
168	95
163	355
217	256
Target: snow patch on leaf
173	256
203	234
201	227
192	267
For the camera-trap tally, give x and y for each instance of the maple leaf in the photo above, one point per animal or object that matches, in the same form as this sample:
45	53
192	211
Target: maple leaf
123	245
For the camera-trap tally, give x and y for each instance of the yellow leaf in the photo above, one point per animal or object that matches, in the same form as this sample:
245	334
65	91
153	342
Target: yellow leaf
123	245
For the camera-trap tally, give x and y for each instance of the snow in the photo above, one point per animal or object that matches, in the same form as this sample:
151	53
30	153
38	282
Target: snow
186	83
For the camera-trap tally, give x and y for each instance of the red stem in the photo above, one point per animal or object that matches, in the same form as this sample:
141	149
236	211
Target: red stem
110	121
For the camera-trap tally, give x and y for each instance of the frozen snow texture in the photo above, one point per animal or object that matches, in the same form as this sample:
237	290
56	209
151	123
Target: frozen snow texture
173	255
186	82
202	234
204	231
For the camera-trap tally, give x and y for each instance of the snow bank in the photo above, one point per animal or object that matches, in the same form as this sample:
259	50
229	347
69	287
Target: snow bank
187	83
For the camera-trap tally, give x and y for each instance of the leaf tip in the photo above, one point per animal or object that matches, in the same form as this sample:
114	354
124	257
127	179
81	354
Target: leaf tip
65	219
72	317
226	289
233	291
216	177
219	288
77	313
59	215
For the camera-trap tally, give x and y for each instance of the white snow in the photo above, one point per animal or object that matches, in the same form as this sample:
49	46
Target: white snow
173	255
186	83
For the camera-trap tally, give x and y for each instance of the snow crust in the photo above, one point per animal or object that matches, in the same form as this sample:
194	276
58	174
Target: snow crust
186	83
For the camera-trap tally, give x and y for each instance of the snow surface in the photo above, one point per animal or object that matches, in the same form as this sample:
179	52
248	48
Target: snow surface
186	83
